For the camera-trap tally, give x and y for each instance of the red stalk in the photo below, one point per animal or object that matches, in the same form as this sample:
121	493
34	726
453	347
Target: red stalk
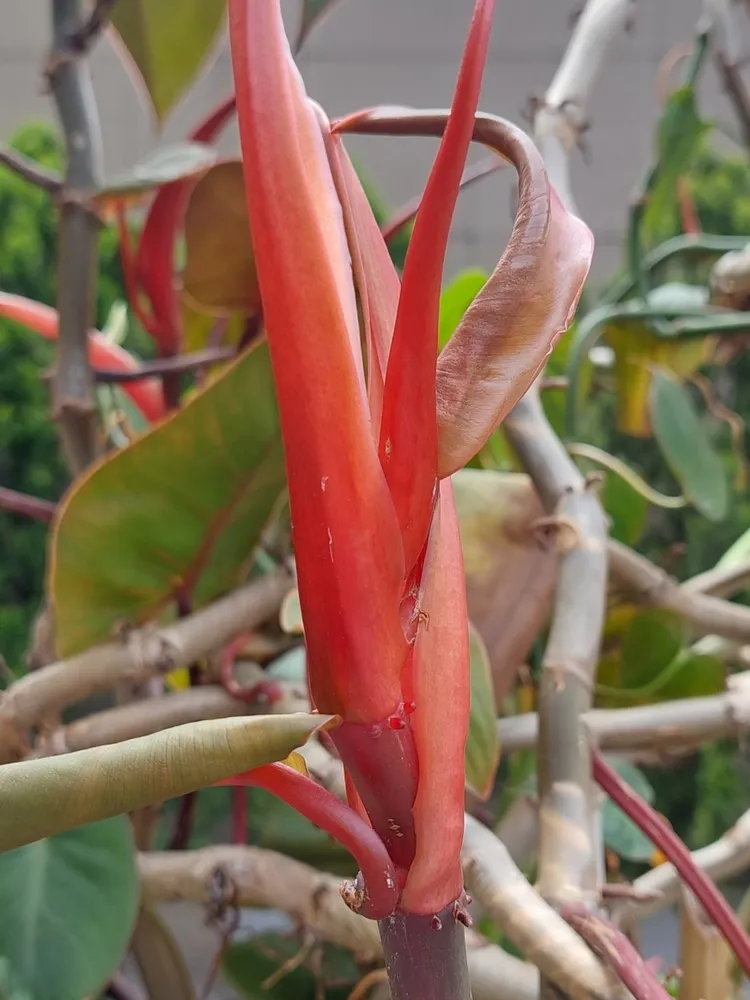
44	320
326	811
27	506
409	397
663	837
239	815
617	951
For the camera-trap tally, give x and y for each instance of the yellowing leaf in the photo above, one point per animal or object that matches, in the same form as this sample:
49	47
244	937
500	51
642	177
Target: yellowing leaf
220	275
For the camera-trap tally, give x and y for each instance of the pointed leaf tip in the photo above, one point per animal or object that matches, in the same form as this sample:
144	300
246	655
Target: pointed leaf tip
409	397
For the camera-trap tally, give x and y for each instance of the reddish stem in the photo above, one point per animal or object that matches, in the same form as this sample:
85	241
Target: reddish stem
425	955
663	837
339	821
22	503
266	690
404	215
616	950
239	815
128	270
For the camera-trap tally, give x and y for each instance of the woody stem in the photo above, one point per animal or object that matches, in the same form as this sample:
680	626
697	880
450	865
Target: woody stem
425	956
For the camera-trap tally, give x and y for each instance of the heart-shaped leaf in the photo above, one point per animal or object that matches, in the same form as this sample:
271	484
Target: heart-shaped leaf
168	42
170	163
220	275
45	796
173	517
682	437
482	746
73	899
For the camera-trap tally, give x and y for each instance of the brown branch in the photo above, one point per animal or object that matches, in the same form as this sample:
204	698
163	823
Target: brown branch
532	925
671	725
73	396
21	503
651	586
613	947
662	836
82	39
257	877
567	854
31	171
176	365
143	653
140	718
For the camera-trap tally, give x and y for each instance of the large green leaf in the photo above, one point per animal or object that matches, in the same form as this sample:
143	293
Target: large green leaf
276	826
482	746
254	967
174	516
69	904
456	299
168	42
48	795
620	833
686	447
171	163
10	988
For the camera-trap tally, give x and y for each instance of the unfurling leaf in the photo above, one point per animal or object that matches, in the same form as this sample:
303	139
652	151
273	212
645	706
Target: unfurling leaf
74	900
219	275
49	795
682	437
511	567
482	746
175	515
168	42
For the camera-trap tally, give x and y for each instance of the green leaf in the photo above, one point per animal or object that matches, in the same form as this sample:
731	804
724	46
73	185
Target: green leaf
620	833
168	42
651	642
175	515
679	132
482	746
10	988
170	163
737	553
683	440
697	675
48	795
248	964
626	508
456	299
69	905
312	11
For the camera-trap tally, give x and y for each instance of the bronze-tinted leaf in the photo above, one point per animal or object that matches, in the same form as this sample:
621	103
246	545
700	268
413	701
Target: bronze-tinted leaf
219	275
511	567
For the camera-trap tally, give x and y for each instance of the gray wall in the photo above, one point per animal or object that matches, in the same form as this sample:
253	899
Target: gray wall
406	51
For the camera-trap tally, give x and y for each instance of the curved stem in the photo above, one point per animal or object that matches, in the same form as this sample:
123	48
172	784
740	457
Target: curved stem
381	889
663	837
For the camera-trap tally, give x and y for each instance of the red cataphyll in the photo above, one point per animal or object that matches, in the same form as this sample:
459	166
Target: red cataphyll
374	423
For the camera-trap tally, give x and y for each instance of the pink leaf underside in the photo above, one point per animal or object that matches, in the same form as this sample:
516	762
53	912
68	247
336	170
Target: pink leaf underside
323	809
440	721
146	394
344	522
154	266
409	401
